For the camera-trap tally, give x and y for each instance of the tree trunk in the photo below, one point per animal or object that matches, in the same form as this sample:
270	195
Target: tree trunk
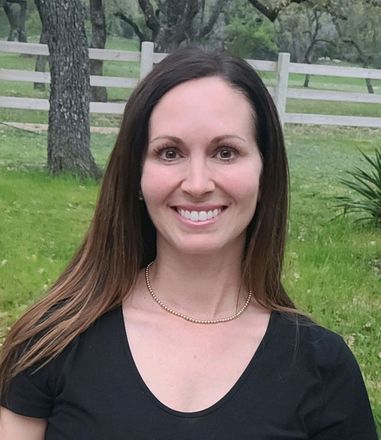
98	40
172	23
168	40
21	21
369	85
12	20
69	121
16	19
41	60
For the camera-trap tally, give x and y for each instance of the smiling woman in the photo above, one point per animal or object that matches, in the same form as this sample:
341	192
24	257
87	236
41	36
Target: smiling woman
171	321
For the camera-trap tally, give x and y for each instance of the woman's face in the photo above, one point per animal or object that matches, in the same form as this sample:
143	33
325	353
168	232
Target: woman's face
201	174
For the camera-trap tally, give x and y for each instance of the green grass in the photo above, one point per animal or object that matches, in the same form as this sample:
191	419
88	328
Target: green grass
42	223
320	82
333	108
333	264
21	149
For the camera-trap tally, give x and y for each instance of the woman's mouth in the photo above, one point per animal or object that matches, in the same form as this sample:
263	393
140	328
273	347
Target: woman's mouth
199	215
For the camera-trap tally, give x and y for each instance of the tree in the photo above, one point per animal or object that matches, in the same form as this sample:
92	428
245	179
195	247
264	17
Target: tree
16	19
69	121
98	40
172	22
248	34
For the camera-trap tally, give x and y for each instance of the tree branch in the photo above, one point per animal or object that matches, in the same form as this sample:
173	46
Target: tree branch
131	22
363	57
150	16
365	61
191	9
272	13
217	9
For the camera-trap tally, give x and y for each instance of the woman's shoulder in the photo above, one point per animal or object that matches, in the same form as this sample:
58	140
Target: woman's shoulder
102	333
312	342
317	360
33	390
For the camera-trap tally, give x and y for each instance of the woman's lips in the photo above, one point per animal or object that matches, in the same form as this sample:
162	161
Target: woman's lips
199	215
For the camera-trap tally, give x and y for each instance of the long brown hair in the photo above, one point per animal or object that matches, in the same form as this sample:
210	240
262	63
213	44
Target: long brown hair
122	239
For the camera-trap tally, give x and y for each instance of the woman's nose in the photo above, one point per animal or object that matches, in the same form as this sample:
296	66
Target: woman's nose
198	179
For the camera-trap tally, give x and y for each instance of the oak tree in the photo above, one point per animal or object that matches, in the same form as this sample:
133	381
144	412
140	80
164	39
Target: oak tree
69	119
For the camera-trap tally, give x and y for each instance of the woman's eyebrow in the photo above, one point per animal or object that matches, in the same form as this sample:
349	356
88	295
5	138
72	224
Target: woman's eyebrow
170	138
214	140
228	136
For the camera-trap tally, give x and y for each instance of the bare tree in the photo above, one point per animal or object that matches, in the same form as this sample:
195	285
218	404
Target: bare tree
69	122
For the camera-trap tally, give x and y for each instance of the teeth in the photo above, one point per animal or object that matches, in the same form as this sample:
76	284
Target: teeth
199	216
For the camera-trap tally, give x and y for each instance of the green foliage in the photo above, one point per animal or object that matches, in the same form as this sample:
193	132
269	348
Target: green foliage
365	185
249	35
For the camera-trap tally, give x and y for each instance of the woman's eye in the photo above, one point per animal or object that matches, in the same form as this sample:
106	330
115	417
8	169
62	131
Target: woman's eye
169	154
226	153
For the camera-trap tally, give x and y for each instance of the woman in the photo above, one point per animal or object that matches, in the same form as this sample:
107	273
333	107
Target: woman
171	321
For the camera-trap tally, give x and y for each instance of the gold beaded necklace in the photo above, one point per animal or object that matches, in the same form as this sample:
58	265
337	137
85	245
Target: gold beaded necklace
188	318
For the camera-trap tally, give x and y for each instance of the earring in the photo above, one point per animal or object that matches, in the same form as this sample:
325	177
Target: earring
140	195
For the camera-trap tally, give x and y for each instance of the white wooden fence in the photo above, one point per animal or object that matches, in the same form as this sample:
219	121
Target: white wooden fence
147	58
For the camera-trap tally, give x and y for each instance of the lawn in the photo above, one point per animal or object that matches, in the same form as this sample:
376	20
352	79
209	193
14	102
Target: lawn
333	264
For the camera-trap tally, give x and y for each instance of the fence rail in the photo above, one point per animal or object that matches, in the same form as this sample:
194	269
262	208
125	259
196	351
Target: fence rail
147	58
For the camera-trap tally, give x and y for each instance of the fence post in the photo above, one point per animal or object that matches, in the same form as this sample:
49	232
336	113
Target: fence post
280	92
146	58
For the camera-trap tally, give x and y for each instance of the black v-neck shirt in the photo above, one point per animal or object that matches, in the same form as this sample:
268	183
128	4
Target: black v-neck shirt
302	383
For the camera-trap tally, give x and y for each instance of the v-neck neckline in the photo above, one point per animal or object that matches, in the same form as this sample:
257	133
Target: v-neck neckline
249	369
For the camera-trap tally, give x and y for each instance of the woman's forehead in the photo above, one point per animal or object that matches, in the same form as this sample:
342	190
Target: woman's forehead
204	104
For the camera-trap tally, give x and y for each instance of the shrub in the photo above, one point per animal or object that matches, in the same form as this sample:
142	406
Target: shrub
365	186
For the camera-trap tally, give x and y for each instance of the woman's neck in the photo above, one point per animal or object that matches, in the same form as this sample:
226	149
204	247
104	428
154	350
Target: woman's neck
202	286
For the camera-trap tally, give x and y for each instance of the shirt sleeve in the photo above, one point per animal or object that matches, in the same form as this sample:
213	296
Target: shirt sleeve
29	394
346	412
